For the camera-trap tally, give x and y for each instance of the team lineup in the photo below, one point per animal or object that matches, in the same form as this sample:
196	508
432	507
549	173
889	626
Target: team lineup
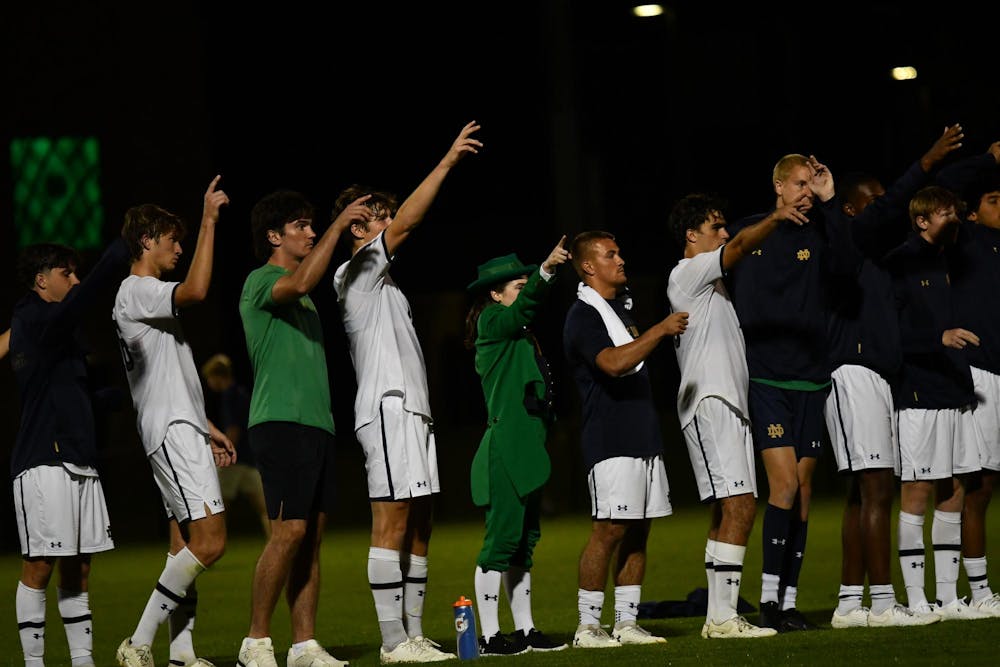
849	312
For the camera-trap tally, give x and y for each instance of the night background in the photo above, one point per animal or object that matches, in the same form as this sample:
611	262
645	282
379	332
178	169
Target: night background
591	118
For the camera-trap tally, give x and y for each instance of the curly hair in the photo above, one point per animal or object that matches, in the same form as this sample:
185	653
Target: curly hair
271	213
691	212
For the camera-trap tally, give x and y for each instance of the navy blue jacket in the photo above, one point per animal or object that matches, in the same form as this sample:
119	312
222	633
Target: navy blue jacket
47	354
975	282
932	376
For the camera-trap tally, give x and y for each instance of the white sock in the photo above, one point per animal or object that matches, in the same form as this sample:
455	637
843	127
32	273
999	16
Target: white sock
946	533
769	587
517	584
181	625
849	598
912	557
180	571
414	570
74	608
627	603
728	559
298	648
488	599
386	581
882	596
710	577
30	609
788	601
589	604
975	570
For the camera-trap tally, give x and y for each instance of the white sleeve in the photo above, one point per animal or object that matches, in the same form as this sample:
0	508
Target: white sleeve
368	267
699	272
150	299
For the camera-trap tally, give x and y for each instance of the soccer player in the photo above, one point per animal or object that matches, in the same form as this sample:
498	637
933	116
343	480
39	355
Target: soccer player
291	429
58	500
393	420
183	448
620	437
712	398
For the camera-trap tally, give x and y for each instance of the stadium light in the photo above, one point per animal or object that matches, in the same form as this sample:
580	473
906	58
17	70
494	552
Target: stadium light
647	11
904	73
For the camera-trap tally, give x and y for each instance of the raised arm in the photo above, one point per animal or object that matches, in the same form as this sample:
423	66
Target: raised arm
194	289
411	213
300	282
617	361
748	238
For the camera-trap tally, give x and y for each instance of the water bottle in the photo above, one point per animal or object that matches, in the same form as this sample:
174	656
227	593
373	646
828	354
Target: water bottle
466	636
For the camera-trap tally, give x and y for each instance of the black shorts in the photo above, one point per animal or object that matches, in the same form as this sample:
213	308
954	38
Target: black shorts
296	467
787	418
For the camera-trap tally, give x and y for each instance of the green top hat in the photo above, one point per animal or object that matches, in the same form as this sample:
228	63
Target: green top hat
498	270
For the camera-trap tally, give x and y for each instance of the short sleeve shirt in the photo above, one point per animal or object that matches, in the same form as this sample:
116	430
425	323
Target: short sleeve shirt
285	345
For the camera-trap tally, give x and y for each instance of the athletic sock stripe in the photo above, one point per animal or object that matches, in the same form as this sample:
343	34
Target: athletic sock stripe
385	587
177	662
163	590
75	619
947	547
31	624
709	565
981	577
415	580
728	568
903	553
851	596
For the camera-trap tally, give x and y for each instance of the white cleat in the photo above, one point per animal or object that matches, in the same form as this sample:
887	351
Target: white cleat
989	606
416	649
924	609
899	616
134	656
314	655
593	636
736	628
629	633
958	610
855	618
256	653
199	662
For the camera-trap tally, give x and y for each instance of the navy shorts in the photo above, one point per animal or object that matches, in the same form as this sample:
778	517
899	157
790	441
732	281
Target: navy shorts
296	468
787	418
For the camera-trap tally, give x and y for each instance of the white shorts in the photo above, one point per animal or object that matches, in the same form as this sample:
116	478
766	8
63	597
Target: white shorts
60	513
861	420
937	444
184	469
720	445
987	415
626	487
400	454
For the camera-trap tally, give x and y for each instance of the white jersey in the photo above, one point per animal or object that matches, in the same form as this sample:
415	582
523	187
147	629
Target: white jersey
711	352
384	346
158	361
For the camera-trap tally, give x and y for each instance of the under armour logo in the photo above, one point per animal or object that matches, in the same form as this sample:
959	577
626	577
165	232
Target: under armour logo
632	605
87	631
527	591
874	457
776	541
925	283
954	560
419	484
816	444
593	608
739	483
757	252
164	607
803	255
798	554
775	431
53	545
925	470
397	597
108	530
492	597
420	593
733	582
37	635
216	502
623	508
915	564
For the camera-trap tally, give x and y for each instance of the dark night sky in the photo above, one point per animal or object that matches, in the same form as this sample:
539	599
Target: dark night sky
591	118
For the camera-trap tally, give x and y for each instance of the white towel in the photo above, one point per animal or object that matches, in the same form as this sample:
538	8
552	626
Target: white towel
616	328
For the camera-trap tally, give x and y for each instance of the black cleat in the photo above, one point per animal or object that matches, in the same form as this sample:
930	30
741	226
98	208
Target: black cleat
500	645
770	616
792	620
536	641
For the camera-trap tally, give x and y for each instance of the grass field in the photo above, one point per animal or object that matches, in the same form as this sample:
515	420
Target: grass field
122	580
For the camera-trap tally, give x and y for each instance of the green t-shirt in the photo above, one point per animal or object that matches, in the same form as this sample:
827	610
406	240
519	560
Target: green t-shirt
285	343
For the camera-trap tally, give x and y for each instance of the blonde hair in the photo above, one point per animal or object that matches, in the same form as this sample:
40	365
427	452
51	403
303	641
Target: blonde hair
785	165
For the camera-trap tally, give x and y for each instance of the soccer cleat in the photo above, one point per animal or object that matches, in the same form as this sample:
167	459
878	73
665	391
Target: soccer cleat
415	649
792	620
770	616
988	605
593	636
535	640
898	616
627	632
256	653
855	618
500	645
314	655
704	631
736	628
134	656
958	610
